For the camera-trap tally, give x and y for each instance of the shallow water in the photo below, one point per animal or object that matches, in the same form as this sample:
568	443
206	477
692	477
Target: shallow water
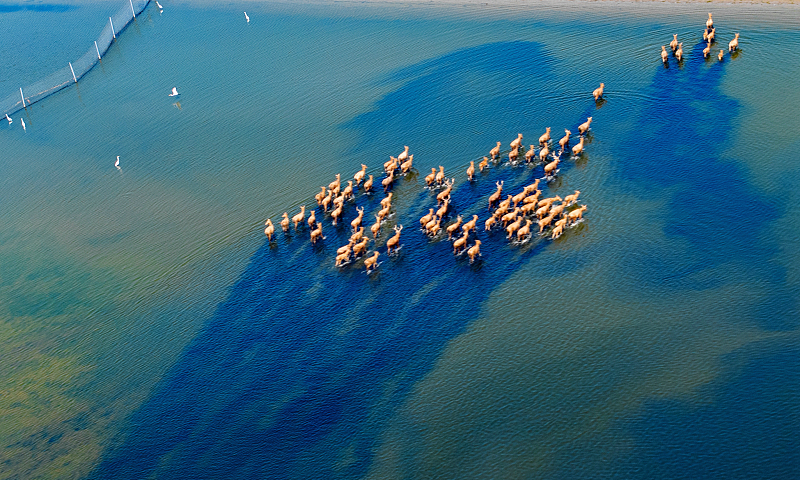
153	332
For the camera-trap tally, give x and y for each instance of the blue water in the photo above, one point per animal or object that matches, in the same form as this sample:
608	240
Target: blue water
656	339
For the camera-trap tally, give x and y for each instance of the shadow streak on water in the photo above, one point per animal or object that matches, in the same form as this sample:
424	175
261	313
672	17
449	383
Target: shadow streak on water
743	430
749	431
679	145
301	367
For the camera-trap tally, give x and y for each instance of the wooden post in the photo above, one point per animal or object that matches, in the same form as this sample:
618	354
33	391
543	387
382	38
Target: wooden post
73	72
132	10
98	50
23	97
112	28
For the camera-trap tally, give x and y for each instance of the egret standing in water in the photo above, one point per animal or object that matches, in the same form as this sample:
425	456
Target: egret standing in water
116	164
9	119
25	129
159	6
174	92
245	16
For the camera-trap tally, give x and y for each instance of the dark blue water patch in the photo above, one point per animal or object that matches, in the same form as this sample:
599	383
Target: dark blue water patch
40	7
301	368
747	429
452	109
677	146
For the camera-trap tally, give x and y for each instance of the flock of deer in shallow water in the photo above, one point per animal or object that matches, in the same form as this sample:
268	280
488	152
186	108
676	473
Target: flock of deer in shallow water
515	214
709	36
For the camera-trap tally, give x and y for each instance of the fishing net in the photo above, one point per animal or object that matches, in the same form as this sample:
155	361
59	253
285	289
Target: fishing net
64	76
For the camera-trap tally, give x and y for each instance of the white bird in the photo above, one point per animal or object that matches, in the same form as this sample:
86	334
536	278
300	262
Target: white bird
174	92
116	164
9	119
23	124
159	5
245	16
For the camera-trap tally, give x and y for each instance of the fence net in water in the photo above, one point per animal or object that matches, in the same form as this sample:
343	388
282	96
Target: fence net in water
64	77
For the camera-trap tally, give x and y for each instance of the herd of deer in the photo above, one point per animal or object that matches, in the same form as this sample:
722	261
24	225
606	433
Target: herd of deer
709	36
511	213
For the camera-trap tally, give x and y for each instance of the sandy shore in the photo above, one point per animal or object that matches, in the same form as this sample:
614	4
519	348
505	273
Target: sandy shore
506	3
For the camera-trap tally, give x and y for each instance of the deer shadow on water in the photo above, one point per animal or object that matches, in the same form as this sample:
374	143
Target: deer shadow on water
304	363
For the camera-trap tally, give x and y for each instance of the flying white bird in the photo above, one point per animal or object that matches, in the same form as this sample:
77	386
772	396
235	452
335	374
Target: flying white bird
174	92
245	16
116	164
23	124
159	5
9	119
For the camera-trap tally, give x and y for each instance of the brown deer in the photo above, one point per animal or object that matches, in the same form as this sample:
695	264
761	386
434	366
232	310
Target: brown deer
326	202
371	263
431	177
529	154
312	219
343	257
347	193
495	151
406	166
440	175
316	234
470	225
356	223
387	200
513	227
565	139
442	211
360	248
403	156
285	222
550	168
490	223
598	92
576	214
387	182
545	222
733	44
368	184
376	227
270	230
336	183
474	251
518	142
453	227
460	243
545	138
318	197
496	195
524	231
384	212
584	127
394	240
426	218
577	149
570	199
359	175
544	152
336	213
445	194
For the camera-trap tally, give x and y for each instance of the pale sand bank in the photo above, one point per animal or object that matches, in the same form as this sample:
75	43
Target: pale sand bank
774	12
495	3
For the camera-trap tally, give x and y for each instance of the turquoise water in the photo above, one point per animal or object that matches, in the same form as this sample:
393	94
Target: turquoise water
152	332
